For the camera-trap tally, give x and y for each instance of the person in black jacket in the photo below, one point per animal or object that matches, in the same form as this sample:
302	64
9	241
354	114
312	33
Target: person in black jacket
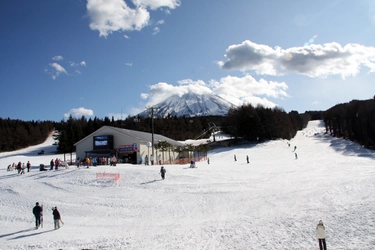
162	172
38	213
56	217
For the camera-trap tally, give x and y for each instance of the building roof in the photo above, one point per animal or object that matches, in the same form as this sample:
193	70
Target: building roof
137	135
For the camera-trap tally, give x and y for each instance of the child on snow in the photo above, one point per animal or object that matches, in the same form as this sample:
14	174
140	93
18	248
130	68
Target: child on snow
162	172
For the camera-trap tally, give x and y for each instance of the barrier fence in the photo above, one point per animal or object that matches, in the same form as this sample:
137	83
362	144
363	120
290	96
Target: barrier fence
105	175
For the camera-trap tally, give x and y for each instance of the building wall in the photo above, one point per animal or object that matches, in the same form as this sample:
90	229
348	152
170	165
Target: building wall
122	139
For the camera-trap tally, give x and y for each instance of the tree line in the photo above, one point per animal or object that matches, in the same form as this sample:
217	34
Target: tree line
354	120
243	123
17	134
259	123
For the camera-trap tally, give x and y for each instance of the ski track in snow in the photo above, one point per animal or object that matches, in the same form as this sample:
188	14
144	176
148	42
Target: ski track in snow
274	202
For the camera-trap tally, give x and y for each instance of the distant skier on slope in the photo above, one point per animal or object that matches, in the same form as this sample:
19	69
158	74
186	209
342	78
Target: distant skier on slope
247	159
162	172
37	211
321	234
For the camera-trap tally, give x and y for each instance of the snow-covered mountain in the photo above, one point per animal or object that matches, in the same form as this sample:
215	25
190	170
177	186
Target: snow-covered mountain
191	105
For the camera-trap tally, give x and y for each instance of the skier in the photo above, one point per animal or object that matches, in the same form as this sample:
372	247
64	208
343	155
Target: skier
296	156
51	164
28	165
23	168
321	234
235	158
295	147
208	160
162	172
56	217
57	163
192	164
19	167
247	159
38	213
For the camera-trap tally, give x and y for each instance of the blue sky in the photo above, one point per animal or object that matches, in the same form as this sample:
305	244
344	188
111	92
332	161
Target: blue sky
114	57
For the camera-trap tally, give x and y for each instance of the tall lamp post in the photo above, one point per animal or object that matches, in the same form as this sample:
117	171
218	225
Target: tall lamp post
152	110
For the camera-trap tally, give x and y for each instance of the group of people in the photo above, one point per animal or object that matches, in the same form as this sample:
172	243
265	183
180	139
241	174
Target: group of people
38	213
20	167
235	159
151	160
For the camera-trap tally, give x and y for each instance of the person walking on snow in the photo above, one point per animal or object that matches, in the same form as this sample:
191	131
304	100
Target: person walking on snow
235	158
37	211
152	159
56	217
321	234
28	165
247	159
162	172
51	164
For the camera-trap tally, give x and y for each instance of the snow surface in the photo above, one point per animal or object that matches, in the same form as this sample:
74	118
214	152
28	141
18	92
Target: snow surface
274	202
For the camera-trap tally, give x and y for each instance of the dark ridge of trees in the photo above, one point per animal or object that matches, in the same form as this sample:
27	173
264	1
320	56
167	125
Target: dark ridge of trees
244	122
17	134
354	120
259	123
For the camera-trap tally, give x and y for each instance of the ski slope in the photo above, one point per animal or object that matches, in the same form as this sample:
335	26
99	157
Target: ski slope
274	202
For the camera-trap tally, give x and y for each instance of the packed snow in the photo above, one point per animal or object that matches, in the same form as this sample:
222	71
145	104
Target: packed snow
274	202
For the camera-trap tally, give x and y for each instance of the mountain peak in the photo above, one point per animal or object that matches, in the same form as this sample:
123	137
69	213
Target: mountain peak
191	105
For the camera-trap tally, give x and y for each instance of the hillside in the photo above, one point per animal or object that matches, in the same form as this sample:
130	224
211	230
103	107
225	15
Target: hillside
274	202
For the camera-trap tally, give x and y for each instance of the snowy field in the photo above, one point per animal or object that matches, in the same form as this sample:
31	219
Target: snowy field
274	202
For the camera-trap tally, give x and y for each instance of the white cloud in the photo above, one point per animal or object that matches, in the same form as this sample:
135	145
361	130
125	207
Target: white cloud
79	112
313	60
156	30
237	90
129	64
160	22
156	4
127	37
57	58
74	64
108	16
56	70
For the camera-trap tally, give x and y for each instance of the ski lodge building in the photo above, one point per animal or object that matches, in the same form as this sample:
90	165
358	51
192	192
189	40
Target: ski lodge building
129	146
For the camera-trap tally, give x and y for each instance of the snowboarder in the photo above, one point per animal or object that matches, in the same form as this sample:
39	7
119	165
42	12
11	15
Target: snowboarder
247	159
28	166
38	213
56	217
162	172
321	234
